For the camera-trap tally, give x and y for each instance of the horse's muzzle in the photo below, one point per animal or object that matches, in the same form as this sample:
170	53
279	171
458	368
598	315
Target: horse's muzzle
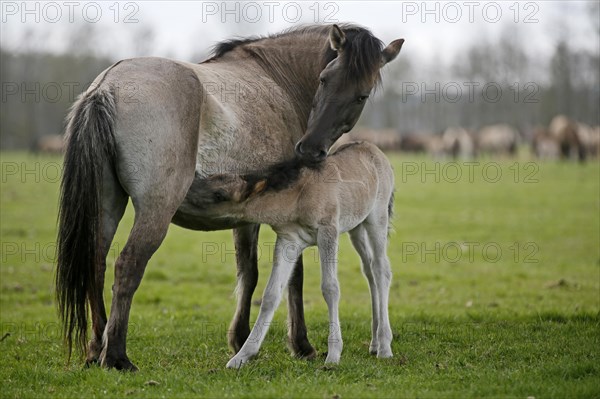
311	155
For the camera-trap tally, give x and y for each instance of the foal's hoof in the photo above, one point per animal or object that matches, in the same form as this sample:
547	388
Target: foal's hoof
236	362
384	353
121	364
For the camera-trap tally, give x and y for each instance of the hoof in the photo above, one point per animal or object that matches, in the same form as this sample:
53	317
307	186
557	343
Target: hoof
237	338
330	360
93	353
236	363
384	354
121	364
303	349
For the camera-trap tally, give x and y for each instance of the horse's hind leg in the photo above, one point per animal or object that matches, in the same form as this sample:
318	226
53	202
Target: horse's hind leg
149	230
114	202
155	197
246	241
359	239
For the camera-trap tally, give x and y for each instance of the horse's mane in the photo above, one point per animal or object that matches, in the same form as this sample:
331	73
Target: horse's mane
280	175
286	173
362	50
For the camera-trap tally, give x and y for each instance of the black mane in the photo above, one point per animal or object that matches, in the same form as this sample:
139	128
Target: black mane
362	50
286	173
280	175
228	45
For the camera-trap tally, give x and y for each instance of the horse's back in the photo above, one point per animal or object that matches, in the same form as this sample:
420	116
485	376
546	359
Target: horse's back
158	108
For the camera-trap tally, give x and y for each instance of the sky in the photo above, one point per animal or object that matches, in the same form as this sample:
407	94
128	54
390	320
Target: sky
435	30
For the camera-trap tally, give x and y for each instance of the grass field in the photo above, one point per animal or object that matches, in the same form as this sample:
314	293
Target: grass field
496	293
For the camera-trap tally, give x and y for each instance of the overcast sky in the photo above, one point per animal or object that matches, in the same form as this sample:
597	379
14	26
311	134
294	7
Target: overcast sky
186	29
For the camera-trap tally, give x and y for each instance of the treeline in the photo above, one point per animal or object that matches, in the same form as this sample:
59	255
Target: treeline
37	90
489	82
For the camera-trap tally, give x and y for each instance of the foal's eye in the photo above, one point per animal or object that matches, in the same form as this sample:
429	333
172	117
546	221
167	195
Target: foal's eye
219	197
361	99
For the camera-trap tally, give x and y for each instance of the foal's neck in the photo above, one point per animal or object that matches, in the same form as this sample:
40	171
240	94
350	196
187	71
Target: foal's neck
272	207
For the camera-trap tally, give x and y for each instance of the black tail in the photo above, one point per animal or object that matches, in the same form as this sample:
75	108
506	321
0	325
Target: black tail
91	143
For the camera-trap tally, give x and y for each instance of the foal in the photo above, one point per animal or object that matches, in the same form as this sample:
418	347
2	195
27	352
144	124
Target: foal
351	191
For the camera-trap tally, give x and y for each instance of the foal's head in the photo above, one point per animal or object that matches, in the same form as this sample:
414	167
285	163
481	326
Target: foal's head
345	85
233	188
229	189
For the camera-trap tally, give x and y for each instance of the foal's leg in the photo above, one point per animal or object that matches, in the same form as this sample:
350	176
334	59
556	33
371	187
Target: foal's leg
297	337
286	254
327	240
359	239
114	202
246	241
377	226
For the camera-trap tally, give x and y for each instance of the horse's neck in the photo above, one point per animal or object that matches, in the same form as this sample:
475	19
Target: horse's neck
295	65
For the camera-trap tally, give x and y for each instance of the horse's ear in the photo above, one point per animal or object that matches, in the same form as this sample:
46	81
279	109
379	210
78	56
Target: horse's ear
337	38
391	51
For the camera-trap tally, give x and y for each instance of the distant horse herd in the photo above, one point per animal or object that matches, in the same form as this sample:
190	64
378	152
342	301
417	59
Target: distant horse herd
563	139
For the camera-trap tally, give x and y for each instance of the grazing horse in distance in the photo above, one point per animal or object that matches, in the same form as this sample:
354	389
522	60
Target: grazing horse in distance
173	123
566	133
351	191
501	139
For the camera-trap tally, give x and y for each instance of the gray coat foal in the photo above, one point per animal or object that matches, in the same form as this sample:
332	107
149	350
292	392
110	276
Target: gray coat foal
351	191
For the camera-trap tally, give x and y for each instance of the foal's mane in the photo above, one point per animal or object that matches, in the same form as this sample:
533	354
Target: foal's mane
362	50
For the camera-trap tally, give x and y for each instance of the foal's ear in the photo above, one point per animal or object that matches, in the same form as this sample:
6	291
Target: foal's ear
258	188
337	38
391	51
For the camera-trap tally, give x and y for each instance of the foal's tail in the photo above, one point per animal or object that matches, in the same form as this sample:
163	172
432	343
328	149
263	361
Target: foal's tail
390	212
91	143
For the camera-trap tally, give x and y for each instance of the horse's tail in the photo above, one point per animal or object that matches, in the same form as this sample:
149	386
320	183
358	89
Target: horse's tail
91	143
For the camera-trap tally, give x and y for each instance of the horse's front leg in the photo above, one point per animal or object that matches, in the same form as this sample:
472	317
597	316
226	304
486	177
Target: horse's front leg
246	242
286	254
297	337
327	240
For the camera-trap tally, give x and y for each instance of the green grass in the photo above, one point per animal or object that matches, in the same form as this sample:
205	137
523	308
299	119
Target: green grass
468	321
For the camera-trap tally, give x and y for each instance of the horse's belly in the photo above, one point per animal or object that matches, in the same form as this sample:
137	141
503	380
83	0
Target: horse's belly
190	217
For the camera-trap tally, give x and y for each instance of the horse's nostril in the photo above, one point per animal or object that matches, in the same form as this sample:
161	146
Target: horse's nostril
322	154
298	148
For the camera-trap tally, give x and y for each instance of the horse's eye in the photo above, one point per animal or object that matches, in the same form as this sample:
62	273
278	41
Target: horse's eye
322	81
361	99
